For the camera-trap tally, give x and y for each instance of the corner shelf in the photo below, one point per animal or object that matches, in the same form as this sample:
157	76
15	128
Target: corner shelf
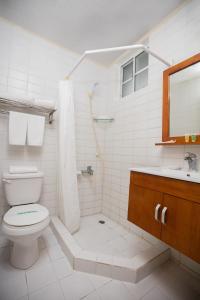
7	105
106	119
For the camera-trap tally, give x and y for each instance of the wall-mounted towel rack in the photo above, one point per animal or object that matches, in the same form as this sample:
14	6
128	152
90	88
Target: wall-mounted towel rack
7	105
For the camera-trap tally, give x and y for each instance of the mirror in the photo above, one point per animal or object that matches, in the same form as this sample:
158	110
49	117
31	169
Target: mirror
181	101
185	101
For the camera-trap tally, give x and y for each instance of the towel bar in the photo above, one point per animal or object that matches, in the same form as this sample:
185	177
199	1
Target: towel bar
12	105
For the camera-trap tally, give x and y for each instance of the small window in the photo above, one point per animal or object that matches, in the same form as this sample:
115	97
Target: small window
134	74
141	71
141	61
127	78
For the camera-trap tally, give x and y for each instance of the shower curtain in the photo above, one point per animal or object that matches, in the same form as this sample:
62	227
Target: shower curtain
69	210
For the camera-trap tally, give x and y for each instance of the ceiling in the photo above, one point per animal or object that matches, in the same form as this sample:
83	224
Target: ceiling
80	25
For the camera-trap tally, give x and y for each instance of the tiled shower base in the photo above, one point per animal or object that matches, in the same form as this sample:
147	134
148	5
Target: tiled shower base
108	238
108	249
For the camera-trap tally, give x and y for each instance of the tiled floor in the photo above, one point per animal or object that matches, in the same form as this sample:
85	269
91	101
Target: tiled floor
52	278
109	238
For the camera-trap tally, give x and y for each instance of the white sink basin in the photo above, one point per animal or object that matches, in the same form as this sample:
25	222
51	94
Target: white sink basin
171	173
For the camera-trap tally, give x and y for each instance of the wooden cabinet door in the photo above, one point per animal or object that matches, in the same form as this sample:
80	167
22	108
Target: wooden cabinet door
141	211
182	228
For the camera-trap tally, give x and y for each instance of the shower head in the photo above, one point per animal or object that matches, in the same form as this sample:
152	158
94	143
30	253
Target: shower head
93	88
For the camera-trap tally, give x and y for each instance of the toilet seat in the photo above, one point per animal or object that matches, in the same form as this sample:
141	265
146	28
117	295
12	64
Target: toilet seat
25	215
22	231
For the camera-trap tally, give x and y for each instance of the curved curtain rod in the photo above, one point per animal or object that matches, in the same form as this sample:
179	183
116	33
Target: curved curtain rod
136	46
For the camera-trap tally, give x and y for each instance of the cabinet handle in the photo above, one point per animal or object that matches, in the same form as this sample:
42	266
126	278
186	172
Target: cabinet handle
157	208
163	215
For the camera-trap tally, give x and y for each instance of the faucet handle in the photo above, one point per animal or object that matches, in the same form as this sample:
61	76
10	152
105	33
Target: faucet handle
190	155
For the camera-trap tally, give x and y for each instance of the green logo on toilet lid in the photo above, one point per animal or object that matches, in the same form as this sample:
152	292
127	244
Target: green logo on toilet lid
27	212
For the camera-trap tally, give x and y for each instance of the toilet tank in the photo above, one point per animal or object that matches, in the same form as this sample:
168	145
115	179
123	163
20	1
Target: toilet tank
22	188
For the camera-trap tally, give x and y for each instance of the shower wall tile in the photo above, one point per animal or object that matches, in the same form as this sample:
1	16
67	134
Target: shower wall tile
88	153
130	140
31	66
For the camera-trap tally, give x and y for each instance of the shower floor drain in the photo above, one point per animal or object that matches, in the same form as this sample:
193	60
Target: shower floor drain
102	222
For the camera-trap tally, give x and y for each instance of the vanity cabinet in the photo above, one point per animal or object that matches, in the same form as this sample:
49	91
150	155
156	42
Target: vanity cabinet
141	212
167	208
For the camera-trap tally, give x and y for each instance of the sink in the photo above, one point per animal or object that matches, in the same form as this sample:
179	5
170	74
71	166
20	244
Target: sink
180	174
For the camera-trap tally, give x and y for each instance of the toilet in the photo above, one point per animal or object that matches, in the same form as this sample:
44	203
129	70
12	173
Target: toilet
26	220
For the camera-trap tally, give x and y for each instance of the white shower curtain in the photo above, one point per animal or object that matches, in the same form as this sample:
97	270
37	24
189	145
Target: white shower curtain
69	210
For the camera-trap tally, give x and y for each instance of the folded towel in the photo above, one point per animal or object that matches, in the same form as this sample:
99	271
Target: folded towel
22	169
45	103
35	131
17	128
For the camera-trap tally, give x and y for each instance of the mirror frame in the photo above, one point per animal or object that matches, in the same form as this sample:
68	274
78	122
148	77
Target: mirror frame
180	140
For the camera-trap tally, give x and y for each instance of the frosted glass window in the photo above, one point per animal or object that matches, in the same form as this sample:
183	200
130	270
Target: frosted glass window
141	61
134	74
127	79
141	80
128	72
127	88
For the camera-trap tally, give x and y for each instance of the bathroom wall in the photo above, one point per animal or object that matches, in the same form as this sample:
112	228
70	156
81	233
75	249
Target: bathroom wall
30	65
130	141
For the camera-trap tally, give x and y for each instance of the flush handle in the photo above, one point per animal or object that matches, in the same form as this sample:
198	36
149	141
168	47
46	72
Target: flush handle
163	215
6	180
157	208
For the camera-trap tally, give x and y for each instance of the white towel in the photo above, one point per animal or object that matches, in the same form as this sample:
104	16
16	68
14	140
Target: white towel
22	169
35	132
45	103
17	128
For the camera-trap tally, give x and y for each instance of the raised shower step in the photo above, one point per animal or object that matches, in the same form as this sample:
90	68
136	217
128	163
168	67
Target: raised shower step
126	269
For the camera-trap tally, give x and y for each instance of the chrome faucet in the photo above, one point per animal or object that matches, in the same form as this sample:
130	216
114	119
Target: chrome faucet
88	171
192	160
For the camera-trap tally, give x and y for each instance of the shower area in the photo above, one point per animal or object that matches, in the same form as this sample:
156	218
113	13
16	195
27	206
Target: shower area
90	234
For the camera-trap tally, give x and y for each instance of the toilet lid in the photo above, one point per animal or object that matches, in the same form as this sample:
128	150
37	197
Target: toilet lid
24	215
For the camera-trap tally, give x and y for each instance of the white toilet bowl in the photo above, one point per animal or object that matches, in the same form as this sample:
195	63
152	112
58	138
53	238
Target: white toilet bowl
23	224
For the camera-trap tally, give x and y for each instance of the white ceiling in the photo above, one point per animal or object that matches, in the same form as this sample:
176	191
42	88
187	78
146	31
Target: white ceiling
80	25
